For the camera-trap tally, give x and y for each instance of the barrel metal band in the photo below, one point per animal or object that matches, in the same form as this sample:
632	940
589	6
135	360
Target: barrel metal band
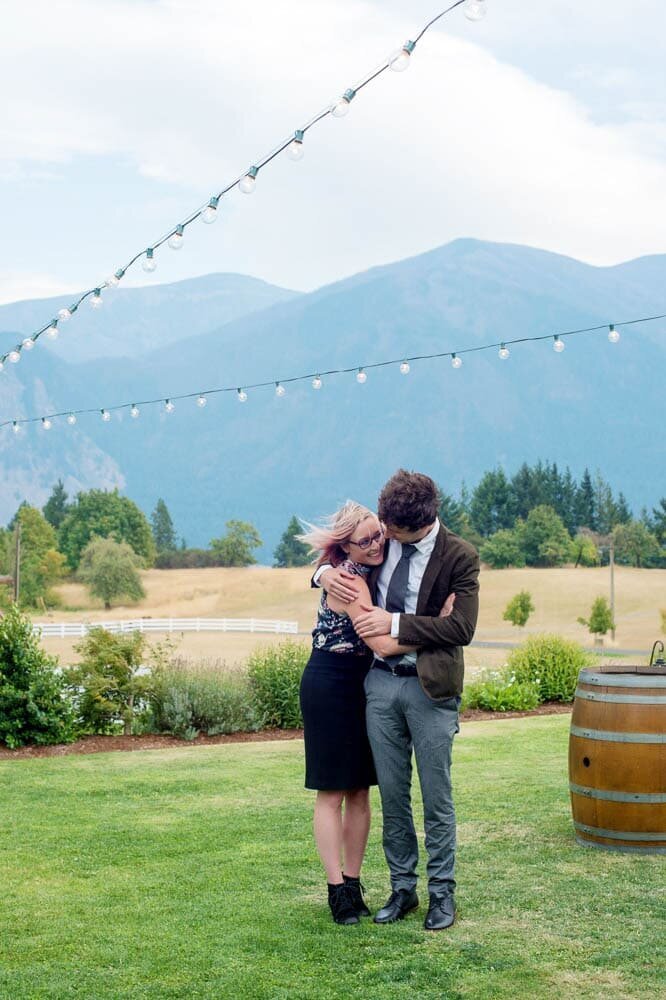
596	831
623	680
608	796
620	848
612	737
622	699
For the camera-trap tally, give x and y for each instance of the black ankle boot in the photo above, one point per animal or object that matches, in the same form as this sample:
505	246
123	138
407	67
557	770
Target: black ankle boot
340	902
356	890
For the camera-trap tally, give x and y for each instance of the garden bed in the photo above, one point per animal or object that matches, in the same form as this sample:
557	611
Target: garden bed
155	741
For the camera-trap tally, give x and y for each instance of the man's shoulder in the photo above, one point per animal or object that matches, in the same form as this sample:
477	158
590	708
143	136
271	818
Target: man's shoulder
455	545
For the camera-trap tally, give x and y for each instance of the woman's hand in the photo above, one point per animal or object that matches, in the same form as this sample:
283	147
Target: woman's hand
340	584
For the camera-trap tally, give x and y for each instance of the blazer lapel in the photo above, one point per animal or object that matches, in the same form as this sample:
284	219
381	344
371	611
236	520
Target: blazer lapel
432	571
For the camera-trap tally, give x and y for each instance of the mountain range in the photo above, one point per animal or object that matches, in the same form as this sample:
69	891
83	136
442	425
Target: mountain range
596	404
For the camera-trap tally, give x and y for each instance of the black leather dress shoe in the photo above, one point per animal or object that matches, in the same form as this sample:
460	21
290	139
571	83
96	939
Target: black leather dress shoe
398	905
441	914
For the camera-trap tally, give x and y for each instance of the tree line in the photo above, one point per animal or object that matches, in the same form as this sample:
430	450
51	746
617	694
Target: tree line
538	517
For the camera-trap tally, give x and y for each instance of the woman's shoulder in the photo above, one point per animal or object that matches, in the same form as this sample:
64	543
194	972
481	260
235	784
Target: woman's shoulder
356	569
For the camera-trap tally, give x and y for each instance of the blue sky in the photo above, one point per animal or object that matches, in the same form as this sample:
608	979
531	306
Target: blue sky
545	124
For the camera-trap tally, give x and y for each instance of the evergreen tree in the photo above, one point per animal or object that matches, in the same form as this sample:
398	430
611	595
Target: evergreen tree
568	512
492	505
622	513
164	535
451	513
56	507
522	489
291	551
586	515
659	521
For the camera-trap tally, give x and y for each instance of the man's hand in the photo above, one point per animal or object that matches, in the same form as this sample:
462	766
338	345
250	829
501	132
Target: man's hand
373	621
340	584
447	606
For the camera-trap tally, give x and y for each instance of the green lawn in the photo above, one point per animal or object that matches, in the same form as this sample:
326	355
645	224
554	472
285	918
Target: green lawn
191	873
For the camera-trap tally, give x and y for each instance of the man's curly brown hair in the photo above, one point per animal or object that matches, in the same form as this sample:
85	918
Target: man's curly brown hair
409	500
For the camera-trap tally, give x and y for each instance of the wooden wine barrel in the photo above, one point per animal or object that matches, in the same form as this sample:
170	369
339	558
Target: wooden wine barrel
617	759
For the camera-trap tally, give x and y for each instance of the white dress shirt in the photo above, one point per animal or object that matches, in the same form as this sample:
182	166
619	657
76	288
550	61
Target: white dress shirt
417	567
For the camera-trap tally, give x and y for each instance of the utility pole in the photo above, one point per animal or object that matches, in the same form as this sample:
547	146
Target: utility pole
611	560
17	570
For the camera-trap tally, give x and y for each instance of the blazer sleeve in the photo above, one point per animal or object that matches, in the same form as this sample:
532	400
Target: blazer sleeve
458	628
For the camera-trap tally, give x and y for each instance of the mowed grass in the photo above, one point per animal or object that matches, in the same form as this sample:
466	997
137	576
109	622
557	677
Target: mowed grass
191	873
559	595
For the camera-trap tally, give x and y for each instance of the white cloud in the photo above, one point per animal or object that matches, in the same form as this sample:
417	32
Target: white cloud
16	286
463	144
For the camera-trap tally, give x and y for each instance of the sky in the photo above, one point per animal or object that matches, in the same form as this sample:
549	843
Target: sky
544	124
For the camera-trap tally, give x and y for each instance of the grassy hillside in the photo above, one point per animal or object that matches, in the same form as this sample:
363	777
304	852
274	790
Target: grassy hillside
560	596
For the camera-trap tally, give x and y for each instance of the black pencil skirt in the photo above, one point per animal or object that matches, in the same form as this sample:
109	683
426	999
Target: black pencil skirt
337	752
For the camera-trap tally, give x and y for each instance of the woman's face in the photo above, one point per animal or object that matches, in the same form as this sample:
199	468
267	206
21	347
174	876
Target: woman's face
366	543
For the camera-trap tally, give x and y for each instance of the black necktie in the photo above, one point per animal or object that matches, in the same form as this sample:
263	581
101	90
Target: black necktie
397	589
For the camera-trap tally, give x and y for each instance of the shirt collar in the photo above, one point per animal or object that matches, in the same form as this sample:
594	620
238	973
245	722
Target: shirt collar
427	543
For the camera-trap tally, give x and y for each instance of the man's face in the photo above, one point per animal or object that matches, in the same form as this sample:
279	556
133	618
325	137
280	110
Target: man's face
406	535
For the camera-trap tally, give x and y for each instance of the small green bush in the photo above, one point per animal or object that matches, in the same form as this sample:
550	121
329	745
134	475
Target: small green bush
186	700
110	685
275	676
33	703
551	662
499	691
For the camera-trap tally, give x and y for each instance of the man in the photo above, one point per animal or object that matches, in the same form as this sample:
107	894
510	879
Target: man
413	700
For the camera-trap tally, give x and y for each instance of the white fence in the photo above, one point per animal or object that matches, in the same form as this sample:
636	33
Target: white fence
64	629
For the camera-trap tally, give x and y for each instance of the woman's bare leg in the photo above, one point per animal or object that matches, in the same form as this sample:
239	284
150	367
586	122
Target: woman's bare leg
328	833
355	829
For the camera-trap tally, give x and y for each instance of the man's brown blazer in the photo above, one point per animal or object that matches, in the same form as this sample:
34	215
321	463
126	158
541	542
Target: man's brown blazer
453	568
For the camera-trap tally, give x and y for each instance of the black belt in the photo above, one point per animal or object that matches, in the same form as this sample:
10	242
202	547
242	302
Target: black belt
398	670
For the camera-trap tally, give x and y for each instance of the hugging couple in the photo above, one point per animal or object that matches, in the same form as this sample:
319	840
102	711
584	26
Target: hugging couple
400	597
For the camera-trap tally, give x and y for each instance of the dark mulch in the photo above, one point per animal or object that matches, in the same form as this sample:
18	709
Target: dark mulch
104	744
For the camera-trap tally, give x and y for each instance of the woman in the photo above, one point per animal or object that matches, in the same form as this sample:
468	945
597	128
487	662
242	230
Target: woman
338	758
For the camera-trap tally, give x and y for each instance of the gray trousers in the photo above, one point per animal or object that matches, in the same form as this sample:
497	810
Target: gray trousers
400	716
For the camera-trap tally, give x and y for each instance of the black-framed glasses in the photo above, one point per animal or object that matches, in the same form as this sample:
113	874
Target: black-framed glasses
365	543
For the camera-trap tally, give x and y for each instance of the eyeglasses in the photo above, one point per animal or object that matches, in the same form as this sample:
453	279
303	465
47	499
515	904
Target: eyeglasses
365	543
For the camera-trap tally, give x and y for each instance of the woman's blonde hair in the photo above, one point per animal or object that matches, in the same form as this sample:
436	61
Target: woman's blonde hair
326	540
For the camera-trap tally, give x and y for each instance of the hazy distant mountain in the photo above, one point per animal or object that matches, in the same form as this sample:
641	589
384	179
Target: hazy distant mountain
134	321
596	404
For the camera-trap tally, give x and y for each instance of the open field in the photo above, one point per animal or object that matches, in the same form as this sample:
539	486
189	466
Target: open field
192	873
560	596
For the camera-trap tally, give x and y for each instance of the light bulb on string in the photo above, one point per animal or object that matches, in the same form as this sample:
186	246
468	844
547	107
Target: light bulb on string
71	419
361	376
404	368
475	10
14	356
248	183
400	59
1	365
106	416
613	334
295	147
279	389
149	263
242	395
134	411
341	106
201	401
504	352
175	241
96	300
28	344
114	279
316	382
15	427
46	424
169	406
52	331
456	362
558	343
209	214
64	314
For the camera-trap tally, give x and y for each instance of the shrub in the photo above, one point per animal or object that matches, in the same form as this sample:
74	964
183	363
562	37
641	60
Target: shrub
109	570
109	684
601	618
519	608
503	549
551	662
186	700
275	676
499	691
33	703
